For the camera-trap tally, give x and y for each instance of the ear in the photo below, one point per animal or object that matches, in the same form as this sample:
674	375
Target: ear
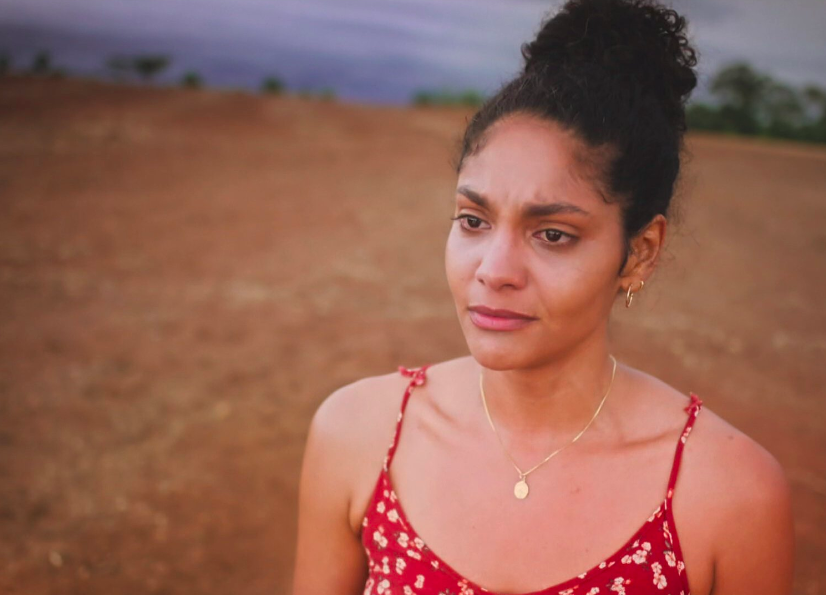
644	253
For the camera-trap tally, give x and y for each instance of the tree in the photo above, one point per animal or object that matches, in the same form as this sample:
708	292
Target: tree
740	88
423	98
192	80
471	98
273	85
815	100
700	116
42	63
468	98
149	65
784	110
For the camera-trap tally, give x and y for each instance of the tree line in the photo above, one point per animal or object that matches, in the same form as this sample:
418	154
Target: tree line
750	102
147	67
744	101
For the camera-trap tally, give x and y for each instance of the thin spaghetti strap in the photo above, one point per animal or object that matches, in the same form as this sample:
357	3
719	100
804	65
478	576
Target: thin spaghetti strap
693	409
418	376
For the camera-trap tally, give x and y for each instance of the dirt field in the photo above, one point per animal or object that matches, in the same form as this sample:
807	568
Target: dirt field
185	275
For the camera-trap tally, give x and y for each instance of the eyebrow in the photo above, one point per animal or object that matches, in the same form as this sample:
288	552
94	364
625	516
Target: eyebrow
531	210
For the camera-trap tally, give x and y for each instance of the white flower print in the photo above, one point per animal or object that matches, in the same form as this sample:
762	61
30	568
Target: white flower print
419	581
619	586
380	539
368	585
385	566
602	565
393	515
463	587
646	546
680	566
593	591
383	586
403	539
408	590
671	558
393	496
400	564
418	542
640	556
414	554
627	559
659	579
380	507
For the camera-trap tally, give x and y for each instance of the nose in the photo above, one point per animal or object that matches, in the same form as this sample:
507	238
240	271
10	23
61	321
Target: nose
502	263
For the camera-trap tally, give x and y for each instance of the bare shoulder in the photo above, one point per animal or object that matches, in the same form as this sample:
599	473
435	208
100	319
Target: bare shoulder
344	448
353	413
748	501
353	428
733	468
729	454
726	460
733	502
746	497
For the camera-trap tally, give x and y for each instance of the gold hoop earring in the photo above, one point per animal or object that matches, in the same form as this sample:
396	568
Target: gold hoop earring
629	295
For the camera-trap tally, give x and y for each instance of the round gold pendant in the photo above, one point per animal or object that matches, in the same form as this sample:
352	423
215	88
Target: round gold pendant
520	490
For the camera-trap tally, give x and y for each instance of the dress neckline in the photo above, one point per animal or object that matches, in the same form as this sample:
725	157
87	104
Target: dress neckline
596	569
663	510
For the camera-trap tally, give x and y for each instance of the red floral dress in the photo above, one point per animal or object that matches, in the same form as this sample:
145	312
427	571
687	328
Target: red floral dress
401	563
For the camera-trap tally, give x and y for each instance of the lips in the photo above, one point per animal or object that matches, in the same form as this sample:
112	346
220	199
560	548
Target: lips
495	319
499	313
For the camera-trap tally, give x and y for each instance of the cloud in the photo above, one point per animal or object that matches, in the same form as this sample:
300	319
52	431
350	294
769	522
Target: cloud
382	50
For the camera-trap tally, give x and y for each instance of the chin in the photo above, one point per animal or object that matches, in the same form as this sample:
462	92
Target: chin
501	351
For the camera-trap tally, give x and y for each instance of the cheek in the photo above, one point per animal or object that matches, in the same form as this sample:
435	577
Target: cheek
579	283
458	263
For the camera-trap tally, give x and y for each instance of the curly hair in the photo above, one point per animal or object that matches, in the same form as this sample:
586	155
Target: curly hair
617	74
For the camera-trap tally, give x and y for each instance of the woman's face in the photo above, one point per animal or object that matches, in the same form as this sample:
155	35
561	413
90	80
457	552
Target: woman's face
534	236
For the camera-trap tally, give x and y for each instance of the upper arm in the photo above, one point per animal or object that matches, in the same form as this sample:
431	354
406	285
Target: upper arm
755	551
329	556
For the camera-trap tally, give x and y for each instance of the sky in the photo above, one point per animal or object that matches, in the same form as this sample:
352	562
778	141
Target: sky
379	51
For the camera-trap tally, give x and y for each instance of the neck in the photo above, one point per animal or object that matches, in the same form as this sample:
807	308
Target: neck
558	398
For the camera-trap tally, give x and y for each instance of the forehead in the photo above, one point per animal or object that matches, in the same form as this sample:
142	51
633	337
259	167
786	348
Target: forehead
525	159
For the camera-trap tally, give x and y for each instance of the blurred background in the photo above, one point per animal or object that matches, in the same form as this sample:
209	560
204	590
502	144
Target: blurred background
215	213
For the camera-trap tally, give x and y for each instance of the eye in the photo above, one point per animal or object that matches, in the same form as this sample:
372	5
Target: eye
473	223
556	237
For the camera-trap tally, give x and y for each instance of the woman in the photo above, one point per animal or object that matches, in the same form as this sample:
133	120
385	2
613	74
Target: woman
539	464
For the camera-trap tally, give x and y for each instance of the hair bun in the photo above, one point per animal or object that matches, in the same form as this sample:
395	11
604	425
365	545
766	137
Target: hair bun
638	40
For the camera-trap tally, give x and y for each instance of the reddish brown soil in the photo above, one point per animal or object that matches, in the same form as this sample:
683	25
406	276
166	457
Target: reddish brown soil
185	275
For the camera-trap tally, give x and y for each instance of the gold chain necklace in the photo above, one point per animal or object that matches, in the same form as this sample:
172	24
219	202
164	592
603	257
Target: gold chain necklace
520	490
